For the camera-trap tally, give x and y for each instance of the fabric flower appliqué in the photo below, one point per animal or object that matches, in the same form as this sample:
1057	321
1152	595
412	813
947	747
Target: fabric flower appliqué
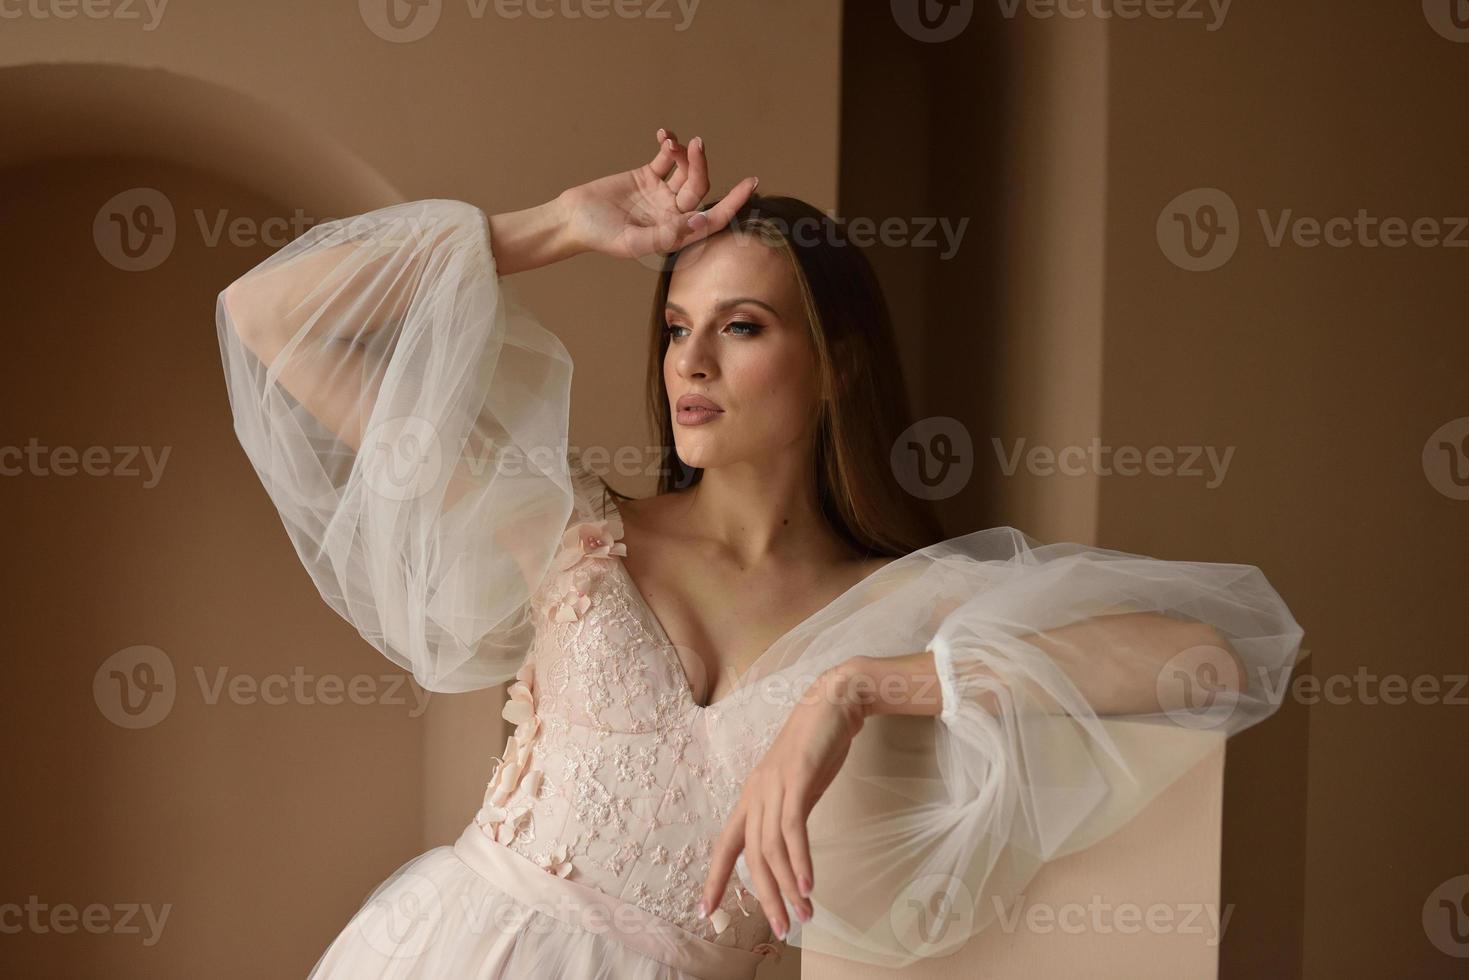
555	861
586	540
497	818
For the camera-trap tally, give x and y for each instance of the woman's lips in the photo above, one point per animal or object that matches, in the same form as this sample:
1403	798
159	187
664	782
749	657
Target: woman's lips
697	415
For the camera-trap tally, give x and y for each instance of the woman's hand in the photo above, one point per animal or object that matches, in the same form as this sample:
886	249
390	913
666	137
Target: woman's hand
769	821
653	208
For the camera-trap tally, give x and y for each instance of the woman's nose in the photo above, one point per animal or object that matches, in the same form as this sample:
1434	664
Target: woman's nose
695	360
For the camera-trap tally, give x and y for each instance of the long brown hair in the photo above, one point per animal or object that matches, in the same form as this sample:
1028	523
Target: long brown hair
864	405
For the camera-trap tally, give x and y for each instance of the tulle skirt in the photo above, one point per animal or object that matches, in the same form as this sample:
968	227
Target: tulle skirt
480	911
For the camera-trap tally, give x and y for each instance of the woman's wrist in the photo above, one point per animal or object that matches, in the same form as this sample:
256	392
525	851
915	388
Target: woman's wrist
533	237
863	686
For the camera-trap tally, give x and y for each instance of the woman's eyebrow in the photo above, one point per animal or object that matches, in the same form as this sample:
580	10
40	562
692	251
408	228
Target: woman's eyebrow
726	304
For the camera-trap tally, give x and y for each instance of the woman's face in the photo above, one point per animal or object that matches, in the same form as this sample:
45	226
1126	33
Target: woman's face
740	338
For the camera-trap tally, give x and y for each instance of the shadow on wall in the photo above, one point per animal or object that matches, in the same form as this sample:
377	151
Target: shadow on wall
190	720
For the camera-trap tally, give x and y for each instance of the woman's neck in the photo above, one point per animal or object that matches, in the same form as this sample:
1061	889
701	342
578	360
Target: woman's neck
757	511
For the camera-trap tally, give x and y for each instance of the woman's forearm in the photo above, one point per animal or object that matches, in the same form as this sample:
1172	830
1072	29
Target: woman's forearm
866	686
533	237
1115	662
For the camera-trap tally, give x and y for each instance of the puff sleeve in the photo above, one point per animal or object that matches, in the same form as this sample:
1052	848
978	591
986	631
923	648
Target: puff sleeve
1076	683
408	420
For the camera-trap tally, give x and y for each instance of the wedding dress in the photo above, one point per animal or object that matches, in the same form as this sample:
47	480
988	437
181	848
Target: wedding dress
408	419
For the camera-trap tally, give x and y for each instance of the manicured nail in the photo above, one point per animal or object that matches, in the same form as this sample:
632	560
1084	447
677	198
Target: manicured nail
756	184
780	930
803	884
698	141
668	144
703	908
661	132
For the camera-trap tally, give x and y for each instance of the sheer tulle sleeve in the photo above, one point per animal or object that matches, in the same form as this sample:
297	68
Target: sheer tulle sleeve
1076	683
408	420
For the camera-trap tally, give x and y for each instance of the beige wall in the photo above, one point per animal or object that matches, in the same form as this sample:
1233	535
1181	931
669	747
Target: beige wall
264	827
1328	369
1325	370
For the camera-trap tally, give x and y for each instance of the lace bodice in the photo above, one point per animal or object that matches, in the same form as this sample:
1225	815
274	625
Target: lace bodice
609	778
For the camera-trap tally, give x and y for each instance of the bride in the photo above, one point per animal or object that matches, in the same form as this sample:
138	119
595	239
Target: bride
691	669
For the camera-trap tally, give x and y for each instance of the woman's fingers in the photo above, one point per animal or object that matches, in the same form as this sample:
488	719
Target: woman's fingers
723	212
670	157
692	190
773	849
766	889
798	849
721	863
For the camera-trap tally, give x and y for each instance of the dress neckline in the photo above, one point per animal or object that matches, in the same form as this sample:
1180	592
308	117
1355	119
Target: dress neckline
609	502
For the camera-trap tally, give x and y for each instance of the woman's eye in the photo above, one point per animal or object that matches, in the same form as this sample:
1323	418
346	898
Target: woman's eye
748	326
672	330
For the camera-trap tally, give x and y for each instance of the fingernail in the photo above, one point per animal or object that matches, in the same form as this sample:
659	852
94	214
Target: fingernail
661	131
699	141
780	930
803	884
802	914
703	908
668	144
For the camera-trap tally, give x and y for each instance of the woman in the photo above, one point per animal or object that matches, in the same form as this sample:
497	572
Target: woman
692	668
